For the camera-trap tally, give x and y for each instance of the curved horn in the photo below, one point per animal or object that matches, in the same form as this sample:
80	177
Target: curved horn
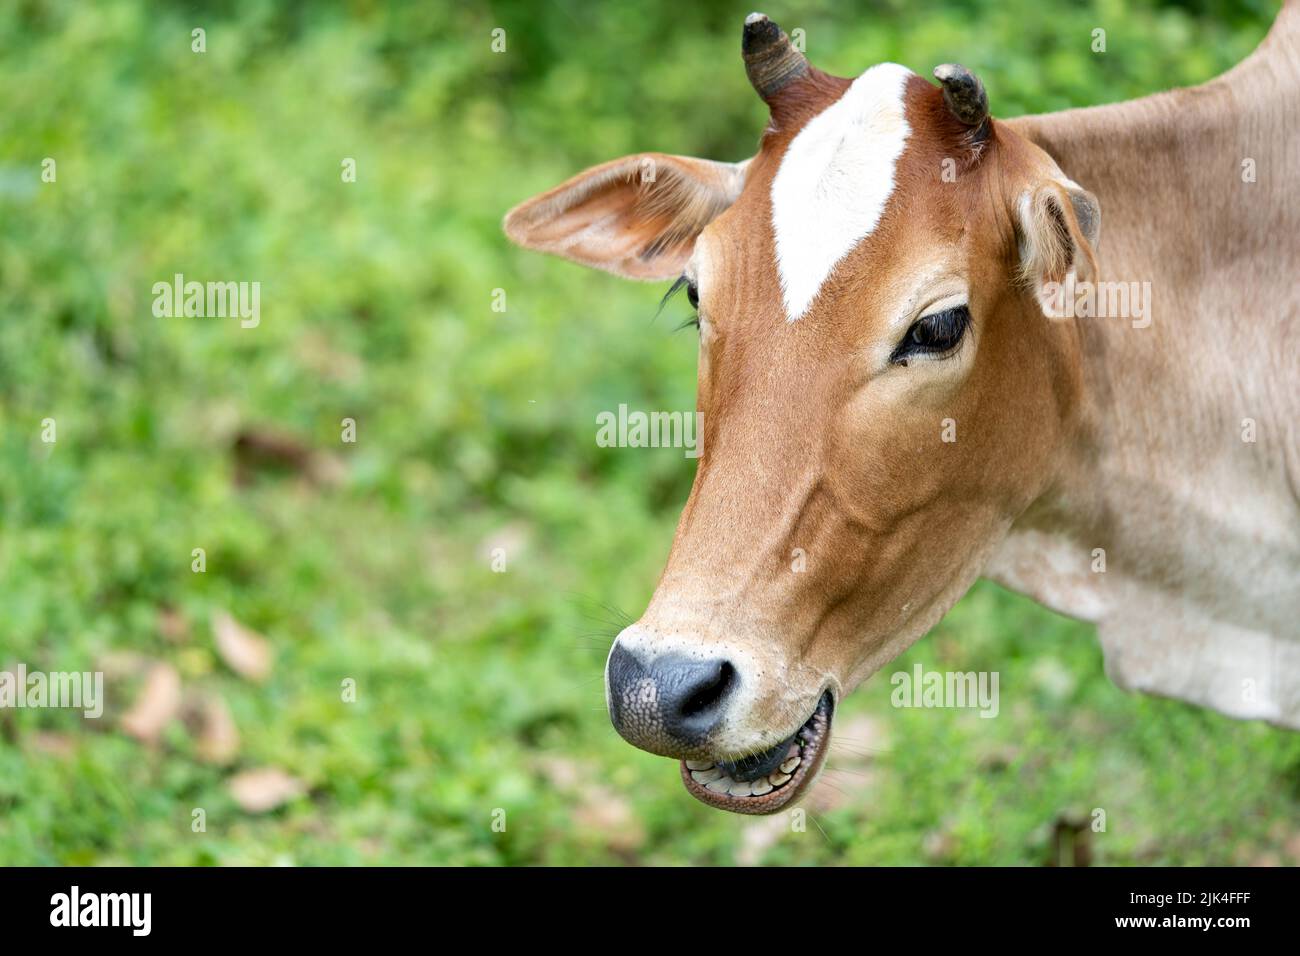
964	94
770	60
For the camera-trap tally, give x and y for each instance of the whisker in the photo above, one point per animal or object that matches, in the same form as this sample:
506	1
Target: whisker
860	773
819	827
863	753
584	683
587	605
824	782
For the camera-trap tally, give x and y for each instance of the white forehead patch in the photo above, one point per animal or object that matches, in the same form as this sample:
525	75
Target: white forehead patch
834	181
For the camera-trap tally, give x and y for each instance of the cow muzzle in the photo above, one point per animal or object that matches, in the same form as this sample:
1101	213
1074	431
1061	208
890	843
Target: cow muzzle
692	708
671	705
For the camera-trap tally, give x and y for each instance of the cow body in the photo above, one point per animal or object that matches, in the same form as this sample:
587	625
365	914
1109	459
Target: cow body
1185	465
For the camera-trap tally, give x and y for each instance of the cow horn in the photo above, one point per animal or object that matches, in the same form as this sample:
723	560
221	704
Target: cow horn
770	60
964	94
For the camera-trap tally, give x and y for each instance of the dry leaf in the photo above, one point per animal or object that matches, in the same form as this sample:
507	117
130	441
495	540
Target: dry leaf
599	812
264	789
561	772
246	653
159	701
213	726
1293	847
260	449
604	814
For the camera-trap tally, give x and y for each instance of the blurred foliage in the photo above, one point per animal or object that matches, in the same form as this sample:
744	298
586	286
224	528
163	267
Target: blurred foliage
476	690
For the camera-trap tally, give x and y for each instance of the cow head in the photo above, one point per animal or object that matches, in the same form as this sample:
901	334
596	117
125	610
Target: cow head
882	395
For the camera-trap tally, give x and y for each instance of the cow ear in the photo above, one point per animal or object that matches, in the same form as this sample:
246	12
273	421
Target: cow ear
637	217
1059	226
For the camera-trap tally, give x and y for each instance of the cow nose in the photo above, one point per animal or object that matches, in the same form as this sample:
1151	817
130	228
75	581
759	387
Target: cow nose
671	704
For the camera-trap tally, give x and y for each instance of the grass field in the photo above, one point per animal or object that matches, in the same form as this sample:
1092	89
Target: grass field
476	692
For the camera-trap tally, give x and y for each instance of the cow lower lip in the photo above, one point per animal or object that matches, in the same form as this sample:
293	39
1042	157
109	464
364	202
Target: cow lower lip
795	760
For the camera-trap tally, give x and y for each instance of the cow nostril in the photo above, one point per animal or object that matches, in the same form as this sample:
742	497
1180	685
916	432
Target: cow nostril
671	701
706	696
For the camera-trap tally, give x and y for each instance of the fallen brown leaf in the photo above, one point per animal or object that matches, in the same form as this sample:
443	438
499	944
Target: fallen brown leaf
1293	847
245	652
605	815
563	773
158	703
213	726
260	449
264	789
600	813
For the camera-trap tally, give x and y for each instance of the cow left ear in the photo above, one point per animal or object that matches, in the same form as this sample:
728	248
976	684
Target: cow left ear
637	217
1059	227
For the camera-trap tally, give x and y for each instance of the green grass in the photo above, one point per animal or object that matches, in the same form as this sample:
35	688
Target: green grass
477	691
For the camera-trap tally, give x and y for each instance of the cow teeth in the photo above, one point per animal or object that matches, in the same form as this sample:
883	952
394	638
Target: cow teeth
706	776
778	778
721	785
699	765
760	787
788	765
741	788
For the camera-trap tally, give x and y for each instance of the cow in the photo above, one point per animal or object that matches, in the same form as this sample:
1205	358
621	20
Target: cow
910	377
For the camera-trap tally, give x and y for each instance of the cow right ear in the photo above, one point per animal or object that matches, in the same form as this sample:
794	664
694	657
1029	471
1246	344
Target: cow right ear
637	217
1059	226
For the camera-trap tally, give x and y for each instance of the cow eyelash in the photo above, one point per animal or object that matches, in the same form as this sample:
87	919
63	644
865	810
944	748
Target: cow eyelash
692	296
937	334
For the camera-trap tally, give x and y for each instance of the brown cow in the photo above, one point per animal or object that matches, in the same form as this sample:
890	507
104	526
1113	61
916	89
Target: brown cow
918	365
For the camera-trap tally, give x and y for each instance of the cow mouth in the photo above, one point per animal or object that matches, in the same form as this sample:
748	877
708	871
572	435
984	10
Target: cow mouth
764	782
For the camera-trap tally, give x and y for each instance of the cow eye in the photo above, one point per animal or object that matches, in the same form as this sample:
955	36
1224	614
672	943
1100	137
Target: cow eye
693	297
933	334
